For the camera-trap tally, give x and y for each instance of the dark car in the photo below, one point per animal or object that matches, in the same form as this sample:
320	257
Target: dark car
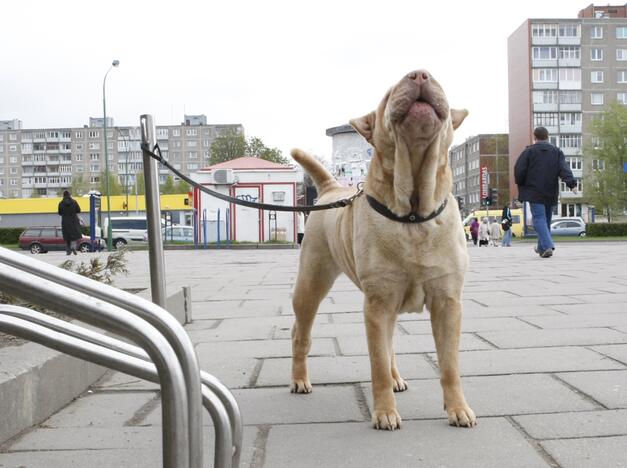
43	239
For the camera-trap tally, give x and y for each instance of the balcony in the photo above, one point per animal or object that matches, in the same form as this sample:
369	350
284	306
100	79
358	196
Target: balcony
545	108
576	128
544	40
571	151
570	107
577	173
538	63
569	62
569	40
544	85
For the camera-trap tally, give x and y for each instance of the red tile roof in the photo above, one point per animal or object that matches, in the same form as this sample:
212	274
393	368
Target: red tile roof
246	163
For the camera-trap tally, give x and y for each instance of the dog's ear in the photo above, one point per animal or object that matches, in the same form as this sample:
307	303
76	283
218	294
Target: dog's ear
458	116
365	125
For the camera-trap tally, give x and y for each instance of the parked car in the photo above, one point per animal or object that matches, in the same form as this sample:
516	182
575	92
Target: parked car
175	233
44	239
125	230
568	227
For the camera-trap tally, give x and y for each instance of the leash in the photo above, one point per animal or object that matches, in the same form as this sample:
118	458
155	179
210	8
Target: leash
155	153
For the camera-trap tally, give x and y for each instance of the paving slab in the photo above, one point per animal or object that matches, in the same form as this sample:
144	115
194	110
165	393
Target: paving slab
618	352
101	410
473	325
117	381
532	360
553	337
209	353
587	453
574	425
580	321
349	445
592	308
341	369
501	395
607	387
406	344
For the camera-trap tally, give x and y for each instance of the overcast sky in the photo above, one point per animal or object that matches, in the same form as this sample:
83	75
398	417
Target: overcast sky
285	70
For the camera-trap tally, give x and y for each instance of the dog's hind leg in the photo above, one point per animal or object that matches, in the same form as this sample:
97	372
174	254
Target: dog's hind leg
446	318
399	383
312	284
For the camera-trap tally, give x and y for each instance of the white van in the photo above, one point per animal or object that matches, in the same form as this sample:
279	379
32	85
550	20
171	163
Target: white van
125	230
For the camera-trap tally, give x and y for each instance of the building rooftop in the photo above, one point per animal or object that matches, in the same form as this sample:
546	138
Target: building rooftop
246	163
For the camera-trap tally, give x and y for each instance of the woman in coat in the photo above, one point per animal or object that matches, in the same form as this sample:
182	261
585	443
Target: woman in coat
484	233
474	230
70	225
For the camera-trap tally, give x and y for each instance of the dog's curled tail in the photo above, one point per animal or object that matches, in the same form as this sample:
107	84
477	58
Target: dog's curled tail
321	176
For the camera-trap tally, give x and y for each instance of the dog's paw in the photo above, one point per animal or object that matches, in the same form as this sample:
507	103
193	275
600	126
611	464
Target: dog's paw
301	386
400	385
386	419
461	416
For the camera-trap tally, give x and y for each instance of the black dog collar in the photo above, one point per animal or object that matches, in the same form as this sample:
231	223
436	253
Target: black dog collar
410	218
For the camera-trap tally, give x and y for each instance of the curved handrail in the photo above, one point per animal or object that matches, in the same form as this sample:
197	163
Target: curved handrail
110	317
165	323
135	362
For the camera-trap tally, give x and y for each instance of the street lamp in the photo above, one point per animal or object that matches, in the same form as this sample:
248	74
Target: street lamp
128	150
115	63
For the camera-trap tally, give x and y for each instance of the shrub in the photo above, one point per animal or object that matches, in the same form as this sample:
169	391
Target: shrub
10	235
606	229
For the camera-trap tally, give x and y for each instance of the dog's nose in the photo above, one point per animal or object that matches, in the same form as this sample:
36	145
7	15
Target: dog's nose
419	76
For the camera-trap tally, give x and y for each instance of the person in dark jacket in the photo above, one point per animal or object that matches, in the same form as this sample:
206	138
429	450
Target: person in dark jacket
536	172
506	225
70	225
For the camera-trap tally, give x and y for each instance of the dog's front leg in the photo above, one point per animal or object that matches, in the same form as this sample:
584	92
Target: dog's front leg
380	322
446	318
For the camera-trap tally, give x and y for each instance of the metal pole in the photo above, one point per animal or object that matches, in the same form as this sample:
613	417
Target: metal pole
105	315
153	214
123	357
115	63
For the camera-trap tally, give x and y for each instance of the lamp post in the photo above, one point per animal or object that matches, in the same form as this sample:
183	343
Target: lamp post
115	63
127	140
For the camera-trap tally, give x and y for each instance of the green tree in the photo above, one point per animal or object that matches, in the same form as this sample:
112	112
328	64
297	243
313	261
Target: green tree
606	184
141	184
228	145
257	149
114	185
79	185
181	187
168	187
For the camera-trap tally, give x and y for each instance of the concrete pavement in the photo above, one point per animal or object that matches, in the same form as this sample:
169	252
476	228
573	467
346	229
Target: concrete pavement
543	360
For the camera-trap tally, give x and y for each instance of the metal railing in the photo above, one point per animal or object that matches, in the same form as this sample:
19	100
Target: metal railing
162	340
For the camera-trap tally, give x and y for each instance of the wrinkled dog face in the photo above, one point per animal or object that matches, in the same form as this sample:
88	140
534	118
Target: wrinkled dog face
415	110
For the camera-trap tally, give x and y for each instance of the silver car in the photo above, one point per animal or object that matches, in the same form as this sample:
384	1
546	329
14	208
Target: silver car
568	227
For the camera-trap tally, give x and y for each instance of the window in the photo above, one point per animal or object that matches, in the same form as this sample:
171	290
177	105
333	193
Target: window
93	134
13	170
570	141
191	132
596	32
93	146
596	99
596	54
12	148
574	163
570	97
545	119
621	55
78	135
596	77
94	180
544	53
162	133
12	137
621	76
78	157
570	118
569	30
569	52
176	132
570	74
94	168
13	159
192	144
192	155
192	167
598	164
621	32
545	97
545	75
79	146
545	30
94	156
622	98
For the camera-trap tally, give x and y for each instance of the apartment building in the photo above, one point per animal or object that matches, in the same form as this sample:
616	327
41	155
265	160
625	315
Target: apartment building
562	72
351	155
479	164
43	162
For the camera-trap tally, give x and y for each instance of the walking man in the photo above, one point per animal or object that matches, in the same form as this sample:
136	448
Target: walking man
506	224
536	172
70	225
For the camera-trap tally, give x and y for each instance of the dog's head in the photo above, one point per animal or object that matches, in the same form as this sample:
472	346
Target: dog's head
411	131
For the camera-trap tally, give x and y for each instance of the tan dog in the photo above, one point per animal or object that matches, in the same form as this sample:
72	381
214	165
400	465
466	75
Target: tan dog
399	266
